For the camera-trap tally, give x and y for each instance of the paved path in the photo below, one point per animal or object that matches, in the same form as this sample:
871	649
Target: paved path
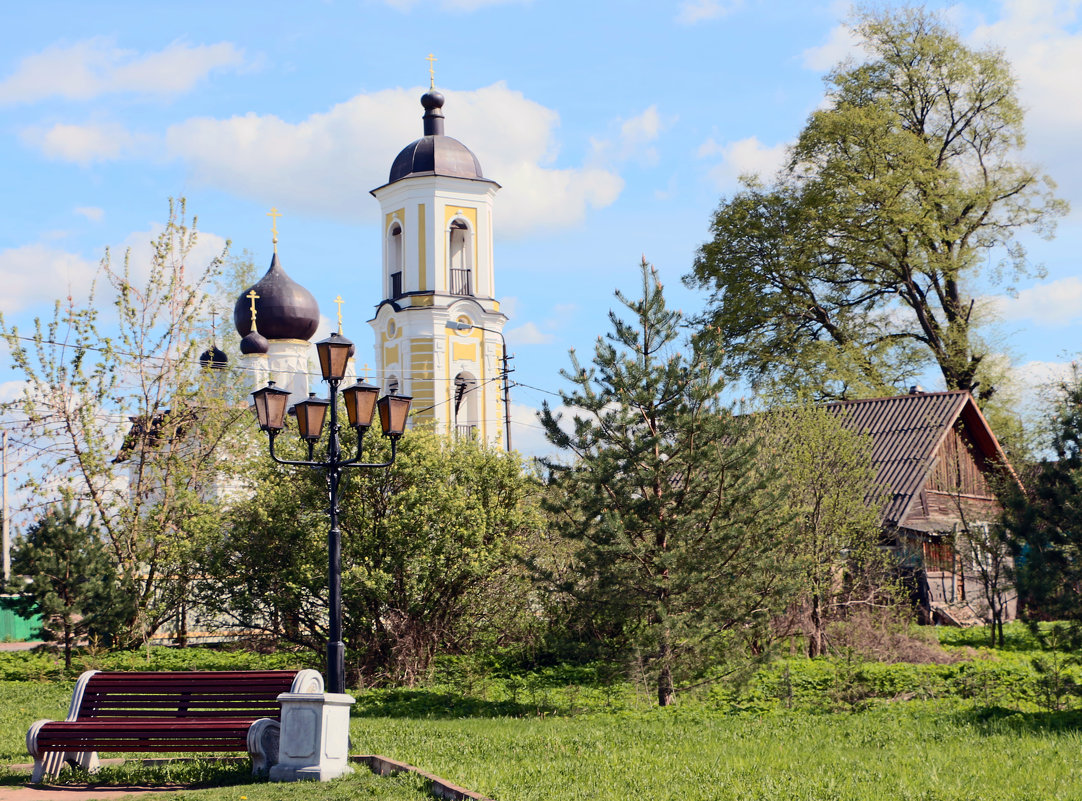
74	792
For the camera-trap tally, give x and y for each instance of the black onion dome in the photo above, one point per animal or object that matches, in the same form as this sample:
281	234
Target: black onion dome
284	308
213	357
253	342
434	153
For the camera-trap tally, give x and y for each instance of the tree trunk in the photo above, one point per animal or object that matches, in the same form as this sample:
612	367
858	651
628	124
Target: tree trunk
67	647
665	690
815	639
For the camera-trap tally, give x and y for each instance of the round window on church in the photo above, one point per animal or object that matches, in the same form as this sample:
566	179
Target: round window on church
392	328
464	320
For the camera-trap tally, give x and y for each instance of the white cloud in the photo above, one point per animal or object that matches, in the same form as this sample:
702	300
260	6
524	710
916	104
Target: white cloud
12	390
140	246
1034	385
743	157
85	144
840	45
94	67
328	162
1044	45
1050	305
634	139
92	213
36	273
693	11
527	435
528	334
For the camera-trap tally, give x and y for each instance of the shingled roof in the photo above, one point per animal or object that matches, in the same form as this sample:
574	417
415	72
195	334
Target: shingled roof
906	433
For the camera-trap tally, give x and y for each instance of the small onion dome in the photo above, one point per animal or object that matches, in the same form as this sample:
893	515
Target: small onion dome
253	343
214	357
284	308
434	153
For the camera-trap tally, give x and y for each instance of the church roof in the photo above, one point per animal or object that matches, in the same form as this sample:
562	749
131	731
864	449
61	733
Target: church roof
435	153
284	308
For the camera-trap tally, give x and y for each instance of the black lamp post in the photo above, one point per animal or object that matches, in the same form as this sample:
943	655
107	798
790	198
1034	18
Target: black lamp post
361	404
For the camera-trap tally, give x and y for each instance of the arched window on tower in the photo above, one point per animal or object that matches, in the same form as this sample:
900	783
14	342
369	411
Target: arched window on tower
394	260
460	259
466	405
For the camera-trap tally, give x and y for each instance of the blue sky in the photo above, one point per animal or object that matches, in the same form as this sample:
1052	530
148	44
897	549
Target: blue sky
614	128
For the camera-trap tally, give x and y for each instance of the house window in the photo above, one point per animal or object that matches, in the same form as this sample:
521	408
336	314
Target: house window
460	259
939	555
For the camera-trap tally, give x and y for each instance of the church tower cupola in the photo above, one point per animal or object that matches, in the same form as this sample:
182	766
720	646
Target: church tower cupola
436	229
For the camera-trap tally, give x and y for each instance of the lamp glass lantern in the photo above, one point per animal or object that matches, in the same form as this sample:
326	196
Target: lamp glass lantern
360	404
393	413
333	356
270	407
311	413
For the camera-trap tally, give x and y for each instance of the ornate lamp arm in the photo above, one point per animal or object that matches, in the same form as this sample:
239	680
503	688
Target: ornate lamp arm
356	461
272	435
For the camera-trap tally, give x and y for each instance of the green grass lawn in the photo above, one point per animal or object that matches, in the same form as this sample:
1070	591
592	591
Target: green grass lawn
821	729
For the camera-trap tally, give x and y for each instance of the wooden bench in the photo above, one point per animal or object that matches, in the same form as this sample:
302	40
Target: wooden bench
235	710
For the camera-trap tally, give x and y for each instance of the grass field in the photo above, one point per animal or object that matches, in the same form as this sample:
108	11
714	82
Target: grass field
825	729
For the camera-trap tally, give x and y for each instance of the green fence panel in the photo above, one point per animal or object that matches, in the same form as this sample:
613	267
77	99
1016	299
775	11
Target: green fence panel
14	628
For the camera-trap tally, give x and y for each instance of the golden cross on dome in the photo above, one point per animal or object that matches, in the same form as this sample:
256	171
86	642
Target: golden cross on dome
253	297
339	301
274	215
365	373
213	326
431	71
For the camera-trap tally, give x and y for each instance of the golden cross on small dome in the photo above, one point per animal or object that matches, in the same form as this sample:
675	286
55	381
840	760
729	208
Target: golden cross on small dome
253	297
365	373
431	71
274	215
339	301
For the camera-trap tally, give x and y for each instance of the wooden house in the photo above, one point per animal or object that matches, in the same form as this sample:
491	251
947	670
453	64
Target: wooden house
936	461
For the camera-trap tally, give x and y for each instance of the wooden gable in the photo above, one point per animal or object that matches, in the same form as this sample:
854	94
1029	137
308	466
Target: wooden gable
934	455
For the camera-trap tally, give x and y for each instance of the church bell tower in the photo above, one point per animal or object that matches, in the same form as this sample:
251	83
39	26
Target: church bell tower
436	225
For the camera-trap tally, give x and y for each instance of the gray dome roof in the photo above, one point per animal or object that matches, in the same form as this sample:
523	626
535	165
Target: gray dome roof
284	308
213	357
435	155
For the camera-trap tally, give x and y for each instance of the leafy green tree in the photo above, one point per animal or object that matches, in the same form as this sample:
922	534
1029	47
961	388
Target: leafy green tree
123	419
835	533
430	554
1045	520
854	270
66	575
677	522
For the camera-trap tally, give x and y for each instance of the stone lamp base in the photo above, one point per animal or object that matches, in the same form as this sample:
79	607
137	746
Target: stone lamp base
314	740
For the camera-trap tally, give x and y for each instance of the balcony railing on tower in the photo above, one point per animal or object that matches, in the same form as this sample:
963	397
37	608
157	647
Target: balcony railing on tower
465	431
460	282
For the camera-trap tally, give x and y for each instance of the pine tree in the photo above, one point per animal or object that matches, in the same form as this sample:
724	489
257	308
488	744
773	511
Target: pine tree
1045	522
69	580
675	520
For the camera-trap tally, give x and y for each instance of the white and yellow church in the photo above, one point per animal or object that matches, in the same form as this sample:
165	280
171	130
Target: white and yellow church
438	328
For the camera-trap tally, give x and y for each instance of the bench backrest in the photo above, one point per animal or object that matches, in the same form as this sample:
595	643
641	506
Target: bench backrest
245	694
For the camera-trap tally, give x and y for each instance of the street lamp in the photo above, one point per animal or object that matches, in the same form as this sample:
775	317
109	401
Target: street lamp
361	404
455	325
